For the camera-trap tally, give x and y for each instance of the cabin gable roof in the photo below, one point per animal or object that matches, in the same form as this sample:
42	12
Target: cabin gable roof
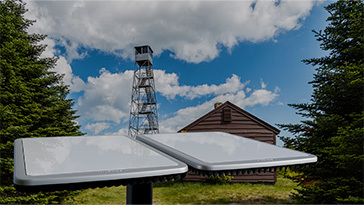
223	110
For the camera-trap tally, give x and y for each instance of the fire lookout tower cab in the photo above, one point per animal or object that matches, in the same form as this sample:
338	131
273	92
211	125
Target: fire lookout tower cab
143	109
144	55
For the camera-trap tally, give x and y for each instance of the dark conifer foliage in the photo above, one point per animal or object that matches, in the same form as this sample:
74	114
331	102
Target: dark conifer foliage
33	99
334	127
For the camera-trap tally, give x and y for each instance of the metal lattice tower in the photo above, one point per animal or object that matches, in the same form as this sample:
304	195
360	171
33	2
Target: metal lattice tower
143	109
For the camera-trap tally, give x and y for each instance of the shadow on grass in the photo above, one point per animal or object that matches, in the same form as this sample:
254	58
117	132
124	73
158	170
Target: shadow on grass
247	200
167	183
207	193
177	192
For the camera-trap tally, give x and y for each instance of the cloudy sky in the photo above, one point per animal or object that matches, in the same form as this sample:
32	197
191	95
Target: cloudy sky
245	52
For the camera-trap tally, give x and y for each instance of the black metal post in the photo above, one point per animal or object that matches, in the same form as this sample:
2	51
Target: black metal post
139	193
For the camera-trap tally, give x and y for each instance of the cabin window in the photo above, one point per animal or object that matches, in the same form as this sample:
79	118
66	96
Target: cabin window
227	115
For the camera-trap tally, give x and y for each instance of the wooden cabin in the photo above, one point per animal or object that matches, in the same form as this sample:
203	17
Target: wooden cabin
227	117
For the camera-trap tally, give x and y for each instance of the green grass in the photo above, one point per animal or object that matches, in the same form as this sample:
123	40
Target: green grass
196	193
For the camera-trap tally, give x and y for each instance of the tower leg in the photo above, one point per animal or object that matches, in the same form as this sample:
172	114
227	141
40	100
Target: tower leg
139	193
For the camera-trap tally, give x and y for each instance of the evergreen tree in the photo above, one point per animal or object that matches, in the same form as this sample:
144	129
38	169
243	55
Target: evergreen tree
334	127
33	99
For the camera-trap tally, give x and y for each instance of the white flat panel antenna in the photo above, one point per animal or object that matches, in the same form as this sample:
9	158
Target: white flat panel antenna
70	160
218	151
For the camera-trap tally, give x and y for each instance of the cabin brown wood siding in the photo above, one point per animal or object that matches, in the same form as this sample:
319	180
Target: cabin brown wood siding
239	125
242	124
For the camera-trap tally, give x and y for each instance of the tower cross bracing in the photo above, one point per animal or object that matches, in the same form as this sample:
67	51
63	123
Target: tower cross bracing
143	108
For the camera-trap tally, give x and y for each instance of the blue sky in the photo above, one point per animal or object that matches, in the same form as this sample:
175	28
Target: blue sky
205	51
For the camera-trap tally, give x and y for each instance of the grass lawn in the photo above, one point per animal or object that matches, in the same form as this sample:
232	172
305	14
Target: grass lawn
196	193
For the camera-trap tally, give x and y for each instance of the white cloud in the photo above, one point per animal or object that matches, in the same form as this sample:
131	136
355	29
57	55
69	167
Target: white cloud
72	50
193	31
262	84
187	115
75	82
62	66
262	97
96	128
168	85
106	99
122	131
